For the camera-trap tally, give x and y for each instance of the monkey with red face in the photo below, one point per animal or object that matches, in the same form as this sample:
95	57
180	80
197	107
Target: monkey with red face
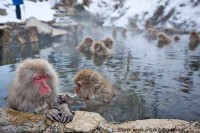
33	89
91	86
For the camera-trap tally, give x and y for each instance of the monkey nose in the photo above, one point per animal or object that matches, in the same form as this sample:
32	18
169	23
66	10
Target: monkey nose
45	84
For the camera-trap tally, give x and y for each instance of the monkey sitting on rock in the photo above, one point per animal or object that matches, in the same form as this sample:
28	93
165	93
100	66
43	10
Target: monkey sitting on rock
33	89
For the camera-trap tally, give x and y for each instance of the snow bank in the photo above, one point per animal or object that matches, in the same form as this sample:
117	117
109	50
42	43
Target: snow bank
186	12
39	10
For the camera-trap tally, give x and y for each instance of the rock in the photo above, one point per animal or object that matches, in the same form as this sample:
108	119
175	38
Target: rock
7	57
158	15
3	12
69	2
5	34
79	7
69	10
85	121
21	38
44	28
33	34
152	126
168	16
14	121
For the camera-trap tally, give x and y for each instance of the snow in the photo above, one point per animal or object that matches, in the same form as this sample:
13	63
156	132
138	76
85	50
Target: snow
188	13
39	10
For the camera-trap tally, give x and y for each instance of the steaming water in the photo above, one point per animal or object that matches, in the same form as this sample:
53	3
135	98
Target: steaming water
151	82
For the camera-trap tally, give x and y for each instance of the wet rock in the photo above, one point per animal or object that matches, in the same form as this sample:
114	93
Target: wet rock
5	34
21	39
14	121
3	12
33	34
7	56
26	35
44	28
85	121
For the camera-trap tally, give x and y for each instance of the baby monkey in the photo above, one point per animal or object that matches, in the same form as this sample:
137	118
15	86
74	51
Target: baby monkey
86	43
91	85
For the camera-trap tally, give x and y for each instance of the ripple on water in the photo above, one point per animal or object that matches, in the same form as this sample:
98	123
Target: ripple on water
152	82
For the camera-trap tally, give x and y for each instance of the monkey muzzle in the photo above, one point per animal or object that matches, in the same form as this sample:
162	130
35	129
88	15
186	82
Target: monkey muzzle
78	89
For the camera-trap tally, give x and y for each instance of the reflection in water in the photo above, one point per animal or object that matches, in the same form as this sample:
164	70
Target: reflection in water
152	82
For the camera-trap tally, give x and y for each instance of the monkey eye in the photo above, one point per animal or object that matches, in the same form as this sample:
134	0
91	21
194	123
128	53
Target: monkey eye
78	84
45	76
37	78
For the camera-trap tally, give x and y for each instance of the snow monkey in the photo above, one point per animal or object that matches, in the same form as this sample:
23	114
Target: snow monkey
108	42
163	38
99	48
194	40
194	37
86	43
124	32
148	24
33	89
92	85
176	38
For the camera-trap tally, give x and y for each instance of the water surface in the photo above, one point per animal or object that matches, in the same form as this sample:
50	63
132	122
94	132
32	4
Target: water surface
152	82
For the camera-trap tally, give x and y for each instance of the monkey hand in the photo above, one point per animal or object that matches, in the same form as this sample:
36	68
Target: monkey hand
53	114
66	99
66	115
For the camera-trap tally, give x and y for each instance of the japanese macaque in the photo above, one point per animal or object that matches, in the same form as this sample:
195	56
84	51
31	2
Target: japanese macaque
148	24
33	89
163	38
194	40
149	30
194	37
86	43
92	85
154	32
114	34
108	42
124	31
176	38
99	48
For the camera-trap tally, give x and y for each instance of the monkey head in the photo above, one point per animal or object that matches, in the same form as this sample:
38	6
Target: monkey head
176	38
37	74
87	82
99	48
163	38
194	37
108	42
154	32
88	41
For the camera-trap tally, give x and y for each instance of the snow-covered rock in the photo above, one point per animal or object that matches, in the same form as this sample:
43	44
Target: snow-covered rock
185	13
44	27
